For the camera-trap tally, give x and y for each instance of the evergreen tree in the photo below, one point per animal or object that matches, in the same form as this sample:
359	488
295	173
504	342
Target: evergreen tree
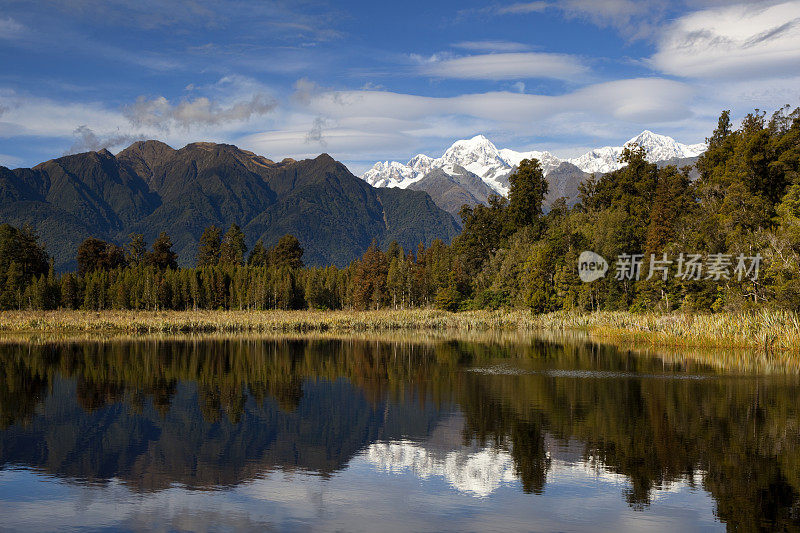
232	247
287	252
11	297
162	256
135	250
209	247
21	246
528	187
259	256
369	282
91	255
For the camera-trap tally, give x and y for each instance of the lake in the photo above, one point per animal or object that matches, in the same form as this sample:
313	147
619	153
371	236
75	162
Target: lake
534	433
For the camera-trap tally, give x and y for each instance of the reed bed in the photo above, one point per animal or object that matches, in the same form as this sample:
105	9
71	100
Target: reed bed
766	331
262	321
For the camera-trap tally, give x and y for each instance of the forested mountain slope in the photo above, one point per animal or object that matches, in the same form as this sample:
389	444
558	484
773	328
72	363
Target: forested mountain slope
150	187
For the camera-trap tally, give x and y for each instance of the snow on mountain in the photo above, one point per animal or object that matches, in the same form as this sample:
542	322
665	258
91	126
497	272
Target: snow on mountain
548	161
481	157
657	147
478	155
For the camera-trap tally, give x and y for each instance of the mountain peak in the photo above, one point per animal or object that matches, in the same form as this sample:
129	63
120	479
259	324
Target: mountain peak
474	143
480	156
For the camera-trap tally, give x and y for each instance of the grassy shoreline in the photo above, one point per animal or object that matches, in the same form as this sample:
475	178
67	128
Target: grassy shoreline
766	331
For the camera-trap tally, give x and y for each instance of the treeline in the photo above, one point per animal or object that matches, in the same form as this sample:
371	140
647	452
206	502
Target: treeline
226	276
728	240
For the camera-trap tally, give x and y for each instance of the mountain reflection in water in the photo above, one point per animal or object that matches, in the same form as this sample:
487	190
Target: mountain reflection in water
335	433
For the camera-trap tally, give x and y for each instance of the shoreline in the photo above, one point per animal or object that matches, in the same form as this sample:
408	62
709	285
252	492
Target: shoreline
765	331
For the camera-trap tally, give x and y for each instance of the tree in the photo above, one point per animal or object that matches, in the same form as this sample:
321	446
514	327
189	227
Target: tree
21	246
232	247
136	249
483	233
91	255
12	292
259	256
369	281
114	257
287	252
447	297
394	251
69	291
162	256
208	247
528	187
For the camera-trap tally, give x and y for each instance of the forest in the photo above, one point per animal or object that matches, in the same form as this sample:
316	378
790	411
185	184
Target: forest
728	240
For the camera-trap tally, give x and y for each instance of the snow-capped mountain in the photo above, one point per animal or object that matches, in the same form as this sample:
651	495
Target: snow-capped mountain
657	147
477	155
481	157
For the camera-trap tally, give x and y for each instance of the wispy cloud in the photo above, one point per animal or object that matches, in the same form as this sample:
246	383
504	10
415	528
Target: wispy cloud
522	7
632	99
10	28
283	18
314	135
87	140
507	66
159	112
740	41
632	18
492	46
369	124
10	160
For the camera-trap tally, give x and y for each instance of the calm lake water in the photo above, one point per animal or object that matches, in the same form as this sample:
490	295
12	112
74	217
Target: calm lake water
366	435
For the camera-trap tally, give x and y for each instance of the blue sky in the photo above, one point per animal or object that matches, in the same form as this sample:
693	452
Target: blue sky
365	81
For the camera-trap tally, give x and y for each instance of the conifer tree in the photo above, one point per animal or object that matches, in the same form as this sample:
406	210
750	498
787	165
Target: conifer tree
259	256
208	247
528	187
135	250
162	257
287	252
232	247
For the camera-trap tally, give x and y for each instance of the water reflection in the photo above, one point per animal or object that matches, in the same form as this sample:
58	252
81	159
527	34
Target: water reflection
257	420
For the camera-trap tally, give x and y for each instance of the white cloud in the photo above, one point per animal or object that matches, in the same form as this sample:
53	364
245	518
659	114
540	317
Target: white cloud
611	13
343	142
26	115
229	110
492	46
316	134
632	18
522	7
161	113
10	161
740	41
10	28
645	99
363	125
87	140
507	66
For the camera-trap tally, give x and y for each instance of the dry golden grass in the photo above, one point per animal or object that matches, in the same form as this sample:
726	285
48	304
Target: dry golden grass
260	321
766	331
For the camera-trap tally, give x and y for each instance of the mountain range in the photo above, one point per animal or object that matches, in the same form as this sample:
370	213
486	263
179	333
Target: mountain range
150	187
470	166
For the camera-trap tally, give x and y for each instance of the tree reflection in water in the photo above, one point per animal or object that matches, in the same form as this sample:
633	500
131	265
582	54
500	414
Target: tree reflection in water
217	412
